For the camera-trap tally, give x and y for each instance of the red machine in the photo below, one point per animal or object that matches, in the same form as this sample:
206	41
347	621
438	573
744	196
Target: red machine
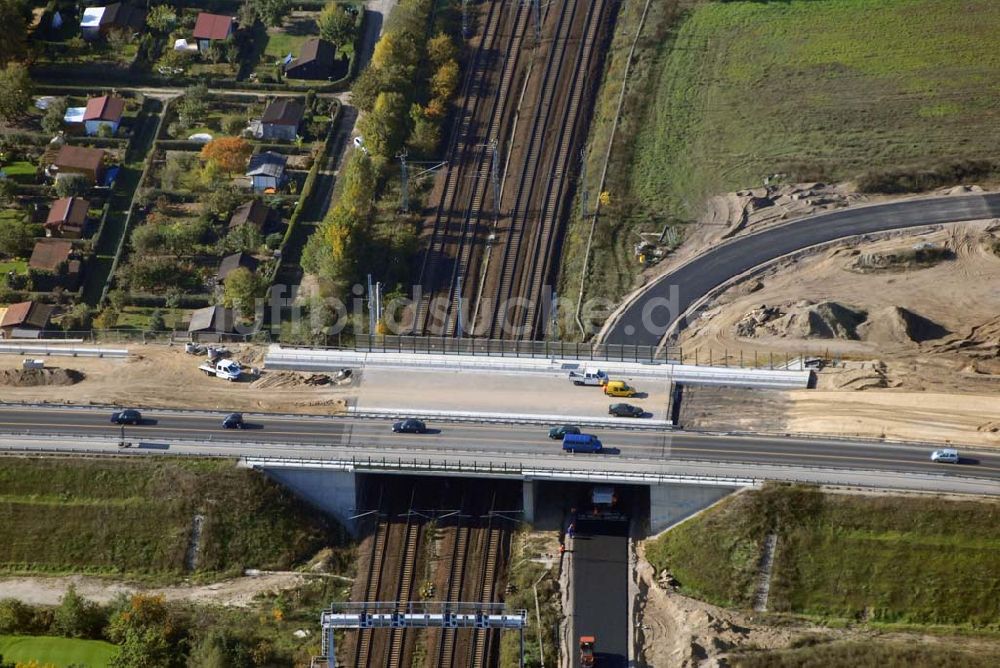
587	651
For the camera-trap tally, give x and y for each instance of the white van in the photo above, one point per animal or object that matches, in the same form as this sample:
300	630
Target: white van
945	456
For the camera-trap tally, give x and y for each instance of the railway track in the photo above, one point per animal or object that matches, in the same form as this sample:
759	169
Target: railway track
376	563
528	179
541	256
482	645
404	588
471	232
464	141
507	292
456	580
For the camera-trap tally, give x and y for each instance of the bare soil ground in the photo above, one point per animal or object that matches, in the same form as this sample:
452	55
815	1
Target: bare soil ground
921	340
158	376
238	592
681	632
729	409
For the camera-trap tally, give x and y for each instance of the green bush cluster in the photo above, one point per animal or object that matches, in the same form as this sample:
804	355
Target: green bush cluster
914	180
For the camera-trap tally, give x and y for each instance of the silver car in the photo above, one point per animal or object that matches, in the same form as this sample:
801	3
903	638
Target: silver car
945	456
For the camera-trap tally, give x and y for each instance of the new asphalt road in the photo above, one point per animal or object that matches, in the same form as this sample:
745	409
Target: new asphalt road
648	317
335	436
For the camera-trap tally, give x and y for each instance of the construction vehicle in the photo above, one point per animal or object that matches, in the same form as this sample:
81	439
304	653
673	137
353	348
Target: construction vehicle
227	369
589	377
587	658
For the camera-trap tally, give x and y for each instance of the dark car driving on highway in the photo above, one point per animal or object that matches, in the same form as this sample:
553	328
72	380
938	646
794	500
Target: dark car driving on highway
234	421
625	410
409	426
127	416
559	432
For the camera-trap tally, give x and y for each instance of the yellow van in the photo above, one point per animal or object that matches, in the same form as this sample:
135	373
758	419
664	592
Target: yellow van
619	388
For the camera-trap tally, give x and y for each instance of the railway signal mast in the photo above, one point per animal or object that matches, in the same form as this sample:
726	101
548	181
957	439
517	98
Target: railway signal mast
422	614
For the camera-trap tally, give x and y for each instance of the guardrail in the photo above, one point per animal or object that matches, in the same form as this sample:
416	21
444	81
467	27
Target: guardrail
328	360
636	424
60	351
520	471
852	478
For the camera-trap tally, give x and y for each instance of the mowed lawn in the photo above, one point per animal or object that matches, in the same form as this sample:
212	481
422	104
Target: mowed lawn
818	89
59	652
896	560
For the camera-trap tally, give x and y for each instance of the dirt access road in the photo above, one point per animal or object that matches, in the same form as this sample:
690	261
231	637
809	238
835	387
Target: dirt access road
916	349
237	592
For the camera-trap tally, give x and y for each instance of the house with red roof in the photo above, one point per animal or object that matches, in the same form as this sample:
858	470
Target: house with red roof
212	27
103	111
25	320
67	218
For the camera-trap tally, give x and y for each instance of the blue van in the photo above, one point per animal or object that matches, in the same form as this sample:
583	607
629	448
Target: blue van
581	443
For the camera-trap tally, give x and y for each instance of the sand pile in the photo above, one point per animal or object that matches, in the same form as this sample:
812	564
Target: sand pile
39	377
834	320
899	325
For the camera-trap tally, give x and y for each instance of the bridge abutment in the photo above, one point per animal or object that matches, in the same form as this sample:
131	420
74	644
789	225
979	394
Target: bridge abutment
334	492
670	503
528	500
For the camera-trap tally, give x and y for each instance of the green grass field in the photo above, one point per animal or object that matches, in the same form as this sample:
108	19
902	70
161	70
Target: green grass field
56	651
722	94
134	518
819	89
887	560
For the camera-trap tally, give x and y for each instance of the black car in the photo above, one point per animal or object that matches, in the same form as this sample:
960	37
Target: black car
625	410
557	433
127	416
409	426
234	421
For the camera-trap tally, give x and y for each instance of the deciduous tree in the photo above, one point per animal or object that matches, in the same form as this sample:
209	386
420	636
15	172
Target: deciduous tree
14	19
17	90
337	24
445	80
384	127
241	290
161	18
230	154
52	121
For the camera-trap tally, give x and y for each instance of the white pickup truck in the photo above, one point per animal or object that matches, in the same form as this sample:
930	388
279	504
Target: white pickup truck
589	377
227	369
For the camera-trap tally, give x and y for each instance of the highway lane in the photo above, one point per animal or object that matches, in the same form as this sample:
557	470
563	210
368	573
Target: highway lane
720	264
512	440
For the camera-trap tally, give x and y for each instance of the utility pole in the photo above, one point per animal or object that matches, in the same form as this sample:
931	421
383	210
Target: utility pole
404	177
583	183
465	19
371	309
495	175
458	324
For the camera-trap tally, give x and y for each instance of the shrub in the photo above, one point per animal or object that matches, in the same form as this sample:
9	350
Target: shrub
273	240
913	179
52	121
72	185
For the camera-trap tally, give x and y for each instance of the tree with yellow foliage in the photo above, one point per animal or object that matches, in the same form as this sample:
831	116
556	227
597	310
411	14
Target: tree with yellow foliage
230	154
